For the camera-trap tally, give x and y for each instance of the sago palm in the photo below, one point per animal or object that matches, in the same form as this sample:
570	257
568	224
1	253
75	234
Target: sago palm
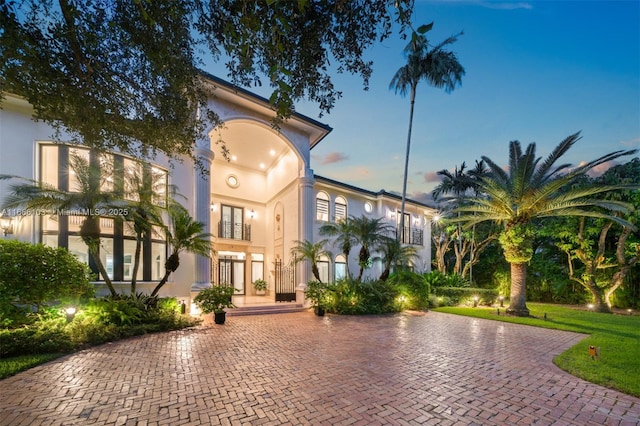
438	67
313	252
184	235
345	239
394	254
531	190
369	233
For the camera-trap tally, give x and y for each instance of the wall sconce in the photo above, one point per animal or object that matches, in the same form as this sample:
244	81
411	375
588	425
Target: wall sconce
213	207
6	224
252	214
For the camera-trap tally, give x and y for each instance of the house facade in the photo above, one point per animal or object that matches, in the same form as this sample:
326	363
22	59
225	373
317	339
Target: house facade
256	205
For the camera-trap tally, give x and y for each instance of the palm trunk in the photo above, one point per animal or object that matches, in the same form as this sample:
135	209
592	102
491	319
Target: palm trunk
406	165
518	296
94	252
136	264
170	266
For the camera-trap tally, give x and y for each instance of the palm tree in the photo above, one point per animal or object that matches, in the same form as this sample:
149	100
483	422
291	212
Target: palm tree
395	254
369	233
439	67
345	240
531	190
184	234
87	198
142	188
305	250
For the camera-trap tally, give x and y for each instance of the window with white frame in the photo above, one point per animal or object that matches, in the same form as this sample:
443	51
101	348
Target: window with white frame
340	209
340	270
322	207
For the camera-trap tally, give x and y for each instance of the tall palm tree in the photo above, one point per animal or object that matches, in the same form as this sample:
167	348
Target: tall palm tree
184	234
313	252
394	254
530	190
87	198
439	67
343	230
369	233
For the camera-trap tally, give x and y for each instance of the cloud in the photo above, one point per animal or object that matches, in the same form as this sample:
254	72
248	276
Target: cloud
633	143
431	177
422	197
334	157
600	169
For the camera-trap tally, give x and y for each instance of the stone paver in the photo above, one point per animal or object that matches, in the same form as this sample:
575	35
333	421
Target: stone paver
298	369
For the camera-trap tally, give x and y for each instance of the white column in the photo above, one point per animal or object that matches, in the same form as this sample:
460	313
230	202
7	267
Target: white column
205	156
305	219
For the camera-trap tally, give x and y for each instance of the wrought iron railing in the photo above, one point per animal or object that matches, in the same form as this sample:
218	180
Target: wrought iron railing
234	231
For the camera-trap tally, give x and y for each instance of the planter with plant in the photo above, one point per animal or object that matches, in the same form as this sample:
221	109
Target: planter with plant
215	299
315	294
260	287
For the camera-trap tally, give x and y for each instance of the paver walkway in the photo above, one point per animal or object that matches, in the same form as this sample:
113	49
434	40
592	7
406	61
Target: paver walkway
298	369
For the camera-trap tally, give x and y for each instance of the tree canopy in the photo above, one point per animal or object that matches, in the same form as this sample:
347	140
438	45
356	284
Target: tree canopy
125	74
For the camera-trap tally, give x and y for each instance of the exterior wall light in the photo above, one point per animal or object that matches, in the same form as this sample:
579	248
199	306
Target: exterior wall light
6	224
252	214
475	301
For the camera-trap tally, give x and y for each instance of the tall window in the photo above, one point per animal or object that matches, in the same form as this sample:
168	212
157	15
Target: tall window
116	232
257	266
341	209
232	222
323	268
322	206
404	233
340	271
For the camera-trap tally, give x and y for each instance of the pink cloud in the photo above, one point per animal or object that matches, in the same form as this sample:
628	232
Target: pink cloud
431	177
334	157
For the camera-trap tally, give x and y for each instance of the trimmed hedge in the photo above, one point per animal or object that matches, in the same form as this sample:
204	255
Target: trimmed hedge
464	295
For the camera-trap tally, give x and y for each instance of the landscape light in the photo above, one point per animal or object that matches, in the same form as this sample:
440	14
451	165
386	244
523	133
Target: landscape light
71	312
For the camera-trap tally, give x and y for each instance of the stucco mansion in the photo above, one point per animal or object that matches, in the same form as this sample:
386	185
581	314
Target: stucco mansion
256	206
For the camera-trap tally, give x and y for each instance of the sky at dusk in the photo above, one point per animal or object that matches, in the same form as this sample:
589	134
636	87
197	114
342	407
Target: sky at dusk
536	71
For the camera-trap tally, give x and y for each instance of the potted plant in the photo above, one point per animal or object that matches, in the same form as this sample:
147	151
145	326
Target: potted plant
215	299
315	293
260	286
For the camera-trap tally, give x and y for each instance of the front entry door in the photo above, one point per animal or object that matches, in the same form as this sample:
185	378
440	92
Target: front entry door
231	272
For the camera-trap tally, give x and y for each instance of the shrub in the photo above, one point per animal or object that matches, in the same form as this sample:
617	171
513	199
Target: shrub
352	297
33	275
413	287
438	279
465	295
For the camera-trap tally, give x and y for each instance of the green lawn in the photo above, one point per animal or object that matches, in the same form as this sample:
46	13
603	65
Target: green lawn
618	336
14	365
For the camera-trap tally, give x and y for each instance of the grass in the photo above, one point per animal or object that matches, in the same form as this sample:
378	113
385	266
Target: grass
14	365
618	336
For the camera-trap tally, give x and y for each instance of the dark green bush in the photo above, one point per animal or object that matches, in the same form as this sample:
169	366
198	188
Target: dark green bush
412	287
353	297
100	321
465	295
438	279
34	275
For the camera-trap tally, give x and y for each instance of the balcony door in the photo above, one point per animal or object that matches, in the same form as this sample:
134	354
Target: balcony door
232	222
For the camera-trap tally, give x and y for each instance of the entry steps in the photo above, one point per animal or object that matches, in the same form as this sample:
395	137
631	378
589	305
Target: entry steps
278	308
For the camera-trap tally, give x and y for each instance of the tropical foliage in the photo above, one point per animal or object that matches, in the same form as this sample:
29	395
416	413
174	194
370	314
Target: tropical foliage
533	189
311	252
125	75
184	234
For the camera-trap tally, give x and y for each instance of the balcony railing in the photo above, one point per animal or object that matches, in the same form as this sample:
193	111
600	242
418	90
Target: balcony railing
234	231
411	236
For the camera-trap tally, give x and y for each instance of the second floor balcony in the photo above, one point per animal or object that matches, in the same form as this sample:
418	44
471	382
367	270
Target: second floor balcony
234	231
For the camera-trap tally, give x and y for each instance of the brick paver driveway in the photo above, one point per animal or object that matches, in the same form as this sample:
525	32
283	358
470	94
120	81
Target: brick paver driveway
300	369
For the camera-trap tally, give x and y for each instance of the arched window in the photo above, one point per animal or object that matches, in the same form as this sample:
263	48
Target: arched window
340	209
340	270
322	206
323	268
